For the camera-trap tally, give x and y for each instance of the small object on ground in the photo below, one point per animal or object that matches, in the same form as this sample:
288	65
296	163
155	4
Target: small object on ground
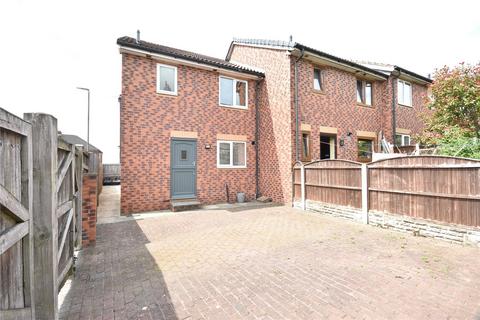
240	197
264	199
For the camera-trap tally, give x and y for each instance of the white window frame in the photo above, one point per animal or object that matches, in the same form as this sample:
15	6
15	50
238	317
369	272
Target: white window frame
174	92
403	102
231	166
364	92
402	139
234	93
320	80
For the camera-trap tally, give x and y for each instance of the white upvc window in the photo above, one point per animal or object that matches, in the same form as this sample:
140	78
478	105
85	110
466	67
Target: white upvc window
404	93
233	93
231	154
166	79
402	140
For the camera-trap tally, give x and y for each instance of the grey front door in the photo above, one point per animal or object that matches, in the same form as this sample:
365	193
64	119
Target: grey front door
183	168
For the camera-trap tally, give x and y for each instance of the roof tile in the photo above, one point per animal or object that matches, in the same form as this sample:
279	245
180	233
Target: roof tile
186	55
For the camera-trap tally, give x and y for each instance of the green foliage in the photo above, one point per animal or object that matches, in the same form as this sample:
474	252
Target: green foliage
455	142
453	124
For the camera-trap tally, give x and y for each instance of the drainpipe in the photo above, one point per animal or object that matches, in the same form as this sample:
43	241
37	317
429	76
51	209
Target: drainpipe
297	118
257	133
395	74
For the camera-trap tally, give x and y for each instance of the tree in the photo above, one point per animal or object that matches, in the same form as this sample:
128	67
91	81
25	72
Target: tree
453	123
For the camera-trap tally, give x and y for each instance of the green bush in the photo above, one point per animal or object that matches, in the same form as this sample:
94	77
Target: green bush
456	142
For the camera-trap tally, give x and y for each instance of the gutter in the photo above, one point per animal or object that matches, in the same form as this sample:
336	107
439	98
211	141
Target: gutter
297	118
413	74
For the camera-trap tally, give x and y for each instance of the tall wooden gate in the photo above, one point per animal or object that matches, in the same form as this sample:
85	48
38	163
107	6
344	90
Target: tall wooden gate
68	191
16	233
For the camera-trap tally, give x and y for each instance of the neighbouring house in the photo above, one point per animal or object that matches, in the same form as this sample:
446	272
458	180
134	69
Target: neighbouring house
318	106
201	129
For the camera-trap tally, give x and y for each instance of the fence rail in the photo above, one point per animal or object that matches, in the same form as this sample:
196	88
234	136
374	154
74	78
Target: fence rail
445	189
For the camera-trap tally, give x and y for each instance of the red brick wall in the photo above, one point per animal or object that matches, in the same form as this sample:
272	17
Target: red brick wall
275	141
89	209
411	117
146	120
337	107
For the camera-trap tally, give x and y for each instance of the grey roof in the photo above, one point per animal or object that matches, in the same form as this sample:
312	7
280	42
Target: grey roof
388	68
378	69
72	139
265	42
290	45
413	74
350	63
186	55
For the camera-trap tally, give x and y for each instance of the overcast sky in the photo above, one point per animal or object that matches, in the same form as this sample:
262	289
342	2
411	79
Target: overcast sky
48	48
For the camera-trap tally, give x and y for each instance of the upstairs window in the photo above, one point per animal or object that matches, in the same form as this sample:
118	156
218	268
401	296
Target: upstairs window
317	79
364	92
404	93
233	93
402	140
166	79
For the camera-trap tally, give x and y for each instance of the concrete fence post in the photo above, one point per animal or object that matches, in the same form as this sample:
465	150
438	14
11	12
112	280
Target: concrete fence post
364	193
302	187
44	216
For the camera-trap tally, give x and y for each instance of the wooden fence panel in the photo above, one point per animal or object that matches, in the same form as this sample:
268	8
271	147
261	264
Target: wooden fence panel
333	181
79	169
445	189
66	208
16	243
297	182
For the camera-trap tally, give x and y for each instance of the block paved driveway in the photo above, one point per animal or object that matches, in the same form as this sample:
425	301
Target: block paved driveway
270	263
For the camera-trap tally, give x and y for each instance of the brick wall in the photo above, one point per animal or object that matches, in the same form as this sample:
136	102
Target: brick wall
275	141
147	120
420	227
336	106
89	209
411	118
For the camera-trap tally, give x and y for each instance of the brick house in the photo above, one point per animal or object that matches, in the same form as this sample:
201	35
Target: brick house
318	106
199	128
187	127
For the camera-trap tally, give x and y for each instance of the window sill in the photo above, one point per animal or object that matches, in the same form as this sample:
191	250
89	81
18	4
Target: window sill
404	105
234	107
364	105
319	91
231	167
167	93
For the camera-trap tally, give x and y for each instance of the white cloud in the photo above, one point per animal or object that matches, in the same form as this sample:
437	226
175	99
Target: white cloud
50	47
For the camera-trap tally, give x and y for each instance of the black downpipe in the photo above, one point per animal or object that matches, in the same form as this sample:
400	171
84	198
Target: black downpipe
257	120
394	113
297	109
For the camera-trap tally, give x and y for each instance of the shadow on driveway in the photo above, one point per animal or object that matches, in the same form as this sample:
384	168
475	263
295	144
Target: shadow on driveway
117	279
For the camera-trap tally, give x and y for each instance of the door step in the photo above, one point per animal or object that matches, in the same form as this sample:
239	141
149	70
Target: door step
184	205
